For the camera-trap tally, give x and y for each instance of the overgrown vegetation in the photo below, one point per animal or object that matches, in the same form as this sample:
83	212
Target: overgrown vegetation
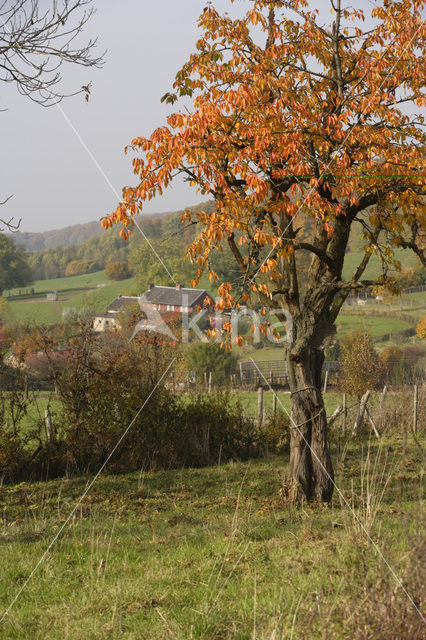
108	387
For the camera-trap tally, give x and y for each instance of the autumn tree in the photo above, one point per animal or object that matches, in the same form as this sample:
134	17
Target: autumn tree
361	367
421	328
118	270
79	267
293	120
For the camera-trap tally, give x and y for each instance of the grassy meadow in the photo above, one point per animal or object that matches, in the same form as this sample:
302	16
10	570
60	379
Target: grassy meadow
353	258
92	291
216	553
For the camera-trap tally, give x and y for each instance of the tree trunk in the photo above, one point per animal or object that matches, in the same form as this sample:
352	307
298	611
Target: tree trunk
310	461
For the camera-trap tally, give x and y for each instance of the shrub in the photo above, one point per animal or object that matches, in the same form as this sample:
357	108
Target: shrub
12	454
276	433
361	368
79	267
113	391
402	366
119	270
112	384
205	357
421	328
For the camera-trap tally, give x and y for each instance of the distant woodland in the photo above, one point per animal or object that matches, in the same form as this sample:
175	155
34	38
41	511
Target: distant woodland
86	248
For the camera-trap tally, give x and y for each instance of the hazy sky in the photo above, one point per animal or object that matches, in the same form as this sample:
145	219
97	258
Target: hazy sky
45	159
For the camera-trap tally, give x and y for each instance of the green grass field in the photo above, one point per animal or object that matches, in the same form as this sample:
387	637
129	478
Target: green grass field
60	284
353	258
248	400
375	326
95	292
76	292
216	554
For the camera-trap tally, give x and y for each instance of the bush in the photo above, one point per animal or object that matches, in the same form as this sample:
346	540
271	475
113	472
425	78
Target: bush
111	392
119	270
80	267
205	357
361	368
402	366
109	385
421	328
12	454
276	433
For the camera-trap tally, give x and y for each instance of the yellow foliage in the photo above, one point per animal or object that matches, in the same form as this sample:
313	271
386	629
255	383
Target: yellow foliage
421	328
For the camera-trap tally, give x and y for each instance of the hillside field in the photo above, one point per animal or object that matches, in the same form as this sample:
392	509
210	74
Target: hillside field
92	291
95	292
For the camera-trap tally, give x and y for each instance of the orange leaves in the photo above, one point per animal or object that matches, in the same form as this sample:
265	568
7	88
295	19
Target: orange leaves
274	140
212	275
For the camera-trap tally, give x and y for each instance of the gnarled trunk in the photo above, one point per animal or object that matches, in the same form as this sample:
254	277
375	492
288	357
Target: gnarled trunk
310	461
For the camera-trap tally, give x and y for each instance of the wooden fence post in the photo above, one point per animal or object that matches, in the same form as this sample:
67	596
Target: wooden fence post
48	423
383	397
373	424
361	411
274	404
260	405
325	381
416	401
210	382
344	414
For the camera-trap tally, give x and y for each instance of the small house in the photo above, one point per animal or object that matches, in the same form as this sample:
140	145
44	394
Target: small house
170	302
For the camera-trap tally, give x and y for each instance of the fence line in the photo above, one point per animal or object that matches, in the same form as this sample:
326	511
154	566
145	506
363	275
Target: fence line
274	371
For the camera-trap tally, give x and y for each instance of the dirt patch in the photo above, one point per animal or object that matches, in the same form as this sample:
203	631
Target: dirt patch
44	300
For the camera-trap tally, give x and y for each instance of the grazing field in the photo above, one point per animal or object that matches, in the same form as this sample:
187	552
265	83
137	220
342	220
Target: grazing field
63	284
95	292
216	553
76	292
374	268
375	326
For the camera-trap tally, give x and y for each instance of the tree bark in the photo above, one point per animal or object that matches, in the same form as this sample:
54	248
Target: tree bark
310	461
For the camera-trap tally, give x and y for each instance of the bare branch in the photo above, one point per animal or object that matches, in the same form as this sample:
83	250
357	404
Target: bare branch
35	42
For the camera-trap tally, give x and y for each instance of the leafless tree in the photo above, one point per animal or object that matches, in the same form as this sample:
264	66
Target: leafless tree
36	39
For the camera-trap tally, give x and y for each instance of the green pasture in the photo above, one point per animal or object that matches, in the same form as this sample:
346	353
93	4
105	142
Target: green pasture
63	284
374	325
74	293
374	268
217	553
249	399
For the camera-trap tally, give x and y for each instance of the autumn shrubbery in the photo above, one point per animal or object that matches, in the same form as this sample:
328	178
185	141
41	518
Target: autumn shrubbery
80	267
403	365
117	403
362	367
112	384
118	270
360	364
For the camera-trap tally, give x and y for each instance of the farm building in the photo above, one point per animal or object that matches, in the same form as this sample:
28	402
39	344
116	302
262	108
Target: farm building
179	299
171	302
